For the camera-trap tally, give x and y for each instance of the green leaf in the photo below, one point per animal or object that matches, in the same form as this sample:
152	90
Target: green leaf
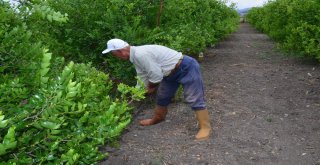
55	132
50	125
49	17
10	136
2	149
44	80
71	94
37	125
3	123
9	141
45	64
50	157
44	71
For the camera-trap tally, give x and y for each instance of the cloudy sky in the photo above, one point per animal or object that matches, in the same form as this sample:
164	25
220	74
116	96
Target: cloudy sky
247	3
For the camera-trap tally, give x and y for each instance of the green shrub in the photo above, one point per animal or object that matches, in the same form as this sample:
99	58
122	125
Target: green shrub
294	24
52	113
80	34
66	119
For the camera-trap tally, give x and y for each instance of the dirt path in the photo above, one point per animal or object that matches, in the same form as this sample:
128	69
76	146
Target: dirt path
264	107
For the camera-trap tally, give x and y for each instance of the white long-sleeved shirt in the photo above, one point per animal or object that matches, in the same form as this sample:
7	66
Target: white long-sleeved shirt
153	62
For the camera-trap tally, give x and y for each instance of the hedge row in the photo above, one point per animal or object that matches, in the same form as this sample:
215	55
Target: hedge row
58	101
52	111
185	25
295	24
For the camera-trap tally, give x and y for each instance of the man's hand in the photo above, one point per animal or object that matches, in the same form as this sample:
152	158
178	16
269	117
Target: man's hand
152	88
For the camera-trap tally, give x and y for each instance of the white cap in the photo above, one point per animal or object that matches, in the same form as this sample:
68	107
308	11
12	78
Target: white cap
115	44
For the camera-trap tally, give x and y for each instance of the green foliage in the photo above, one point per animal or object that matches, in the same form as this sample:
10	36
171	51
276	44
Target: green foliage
134	93
53	113
80	35
9	141
192	25
3	123
66	119
70	28
295	24
12	94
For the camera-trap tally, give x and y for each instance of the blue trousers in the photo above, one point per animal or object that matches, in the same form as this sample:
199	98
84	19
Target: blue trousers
189	76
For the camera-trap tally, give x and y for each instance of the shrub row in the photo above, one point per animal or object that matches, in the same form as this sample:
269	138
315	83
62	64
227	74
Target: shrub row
185	25
57	103
294	24
52	113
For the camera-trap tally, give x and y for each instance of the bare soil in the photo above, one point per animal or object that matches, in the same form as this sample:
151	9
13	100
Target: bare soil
264	108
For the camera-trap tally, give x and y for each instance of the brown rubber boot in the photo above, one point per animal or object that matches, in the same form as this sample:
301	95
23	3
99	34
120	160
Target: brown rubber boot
205	128
159	116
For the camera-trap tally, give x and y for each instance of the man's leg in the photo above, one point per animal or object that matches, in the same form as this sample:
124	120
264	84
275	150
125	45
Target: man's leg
165	93
160	113
194	94
204	123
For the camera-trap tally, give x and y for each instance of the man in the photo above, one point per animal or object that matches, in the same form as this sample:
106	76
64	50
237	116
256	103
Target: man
163	70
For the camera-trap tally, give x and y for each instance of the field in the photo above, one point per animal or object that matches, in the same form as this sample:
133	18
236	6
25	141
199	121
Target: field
63	102
264	108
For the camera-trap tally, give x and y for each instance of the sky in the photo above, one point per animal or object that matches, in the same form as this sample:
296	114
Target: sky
247	3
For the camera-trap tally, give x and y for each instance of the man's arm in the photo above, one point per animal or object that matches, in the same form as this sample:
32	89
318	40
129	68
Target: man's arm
147	68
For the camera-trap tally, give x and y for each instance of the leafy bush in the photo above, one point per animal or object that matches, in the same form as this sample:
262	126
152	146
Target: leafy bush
192	25
80	35
65	120
53	113
294	24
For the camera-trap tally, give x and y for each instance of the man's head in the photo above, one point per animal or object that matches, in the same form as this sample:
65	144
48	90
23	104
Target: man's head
118	48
